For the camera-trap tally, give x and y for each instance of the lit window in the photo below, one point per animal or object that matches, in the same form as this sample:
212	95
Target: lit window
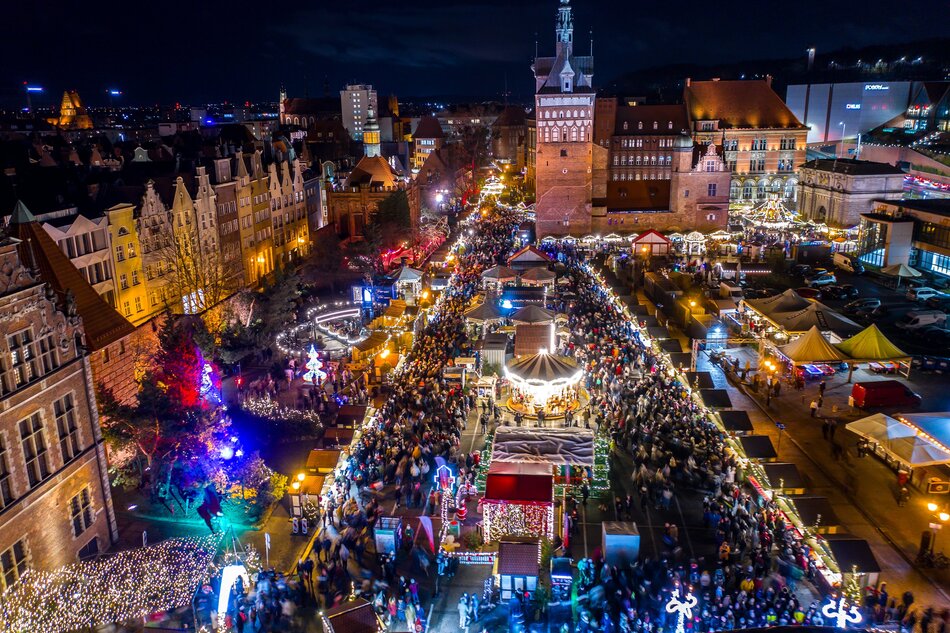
34	449
80	511
66	425
13	563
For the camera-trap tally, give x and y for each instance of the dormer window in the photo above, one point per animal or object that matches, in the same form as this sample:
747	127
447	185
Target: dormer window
640	125
654	125
670	126
625	125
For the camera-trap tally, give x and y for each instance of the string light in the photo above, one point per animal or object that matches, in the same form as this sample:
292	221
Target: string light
120	588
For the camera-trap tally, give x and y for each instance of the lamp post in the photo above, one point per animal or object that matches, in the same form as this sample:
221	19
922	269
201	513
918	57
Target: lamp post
844	127
941	515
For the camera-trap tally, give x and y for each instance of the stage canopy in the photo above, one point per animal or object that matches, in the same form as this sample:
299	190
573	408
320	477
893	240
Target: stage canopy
815	314
557	447
871	345
881	428
538	275
409	275
812	347
788	301
500	273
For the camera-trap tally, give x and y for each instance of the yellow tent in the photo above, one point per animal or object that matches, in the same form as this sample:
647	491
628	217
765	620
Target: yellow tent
870	344
812	347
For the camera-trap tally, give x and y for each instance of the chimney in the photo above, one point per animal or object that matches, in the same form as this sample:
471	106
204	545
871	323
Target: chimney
768	80
687	82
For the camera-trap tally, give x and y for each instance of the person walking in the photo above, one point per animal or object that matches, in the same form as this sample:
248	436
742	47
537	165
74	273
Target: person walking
832	427
814	408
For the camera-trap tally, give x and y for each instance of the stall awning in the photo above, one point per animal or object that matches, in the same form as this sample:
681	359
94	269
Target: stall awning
682	359
670	345
853	554
716	398
783	476
815	510
700	379
758	447
519	482
736	421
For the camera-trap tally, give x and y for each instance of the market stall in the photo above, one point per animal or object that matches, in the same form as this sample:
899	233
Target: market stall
735	421
758	447
352	616
498	276
817	513
518	501
538	276
545	383
516	568
784	478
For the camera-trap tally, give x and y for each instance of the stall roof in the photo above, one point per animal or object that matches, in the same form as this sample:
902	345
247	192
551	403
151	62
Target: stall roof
658	331
519	481
374	340
716	398
670	345
322	459
702	379
350	415
532	314
681	359
812	347
487	311
550	446
784	475
518	558
787	301
815	510
648	320
496	341
736	421
936	425
352	616
852	553
816	314
870	344
758	447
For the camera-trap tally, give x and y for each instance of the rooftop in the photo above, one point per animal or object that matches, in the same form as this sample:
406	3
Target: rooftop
939	206
852	167
739	104
639	120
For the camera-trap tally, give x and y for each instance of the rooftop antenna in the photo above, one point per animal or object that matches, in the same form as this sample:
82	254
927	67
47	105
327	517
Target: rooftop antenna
506	89
535	44
592	42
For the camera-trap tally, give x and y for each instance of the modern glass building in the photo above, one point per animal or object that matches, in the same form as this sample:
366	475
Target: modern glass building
912	232
844	110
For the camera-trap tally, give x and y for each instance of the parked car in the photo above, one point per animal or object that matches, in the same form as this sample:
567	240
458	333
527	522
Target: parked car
939	302
883	393
802	270
862	306
846	291
917	319
809	293
825	279
934	334
923	293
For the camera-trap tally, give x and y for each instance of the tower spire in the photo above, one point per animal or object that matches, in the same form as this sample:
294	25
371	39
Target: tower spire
565	26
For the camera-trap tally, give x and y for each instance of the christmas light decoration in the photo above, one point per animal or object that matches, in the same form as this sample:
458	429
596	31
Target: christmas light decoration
517	519
683	609
112	589
210	391
842	615
267	408
314	366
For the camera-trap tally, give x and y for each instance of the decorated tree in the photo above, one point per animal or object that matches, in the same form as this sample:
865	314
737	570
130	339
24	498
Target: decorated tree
314	366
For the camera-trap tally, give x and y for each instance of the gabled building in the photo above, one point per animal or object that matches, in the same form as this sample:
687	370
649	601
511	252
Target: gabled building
509	138
763	142
131	295
55	502
426	138
929	108
838	191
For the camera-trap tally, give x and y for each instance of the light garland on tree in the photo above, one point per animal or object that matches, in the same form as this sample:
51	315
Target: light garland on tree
267	408
112	589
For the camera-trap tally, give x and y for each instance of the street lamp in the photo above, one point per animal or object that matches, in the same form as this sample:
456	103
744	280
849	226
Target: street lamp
940	514
844	127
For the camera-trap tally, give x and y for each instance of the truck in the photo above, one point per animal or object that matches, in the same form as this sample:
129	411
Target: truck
883	393
848	263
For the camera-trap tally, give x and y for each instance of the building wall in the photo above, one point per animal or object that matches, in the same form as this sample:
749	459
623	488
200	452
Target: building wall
699	193
355	100
564	167
86	242
35	518
840	199
131	289
861	106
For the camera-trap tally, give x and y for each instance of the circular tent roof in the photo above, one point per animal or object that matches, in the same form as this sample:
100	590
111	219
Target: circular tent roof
538	274
484	312
531	314
544	369
500	273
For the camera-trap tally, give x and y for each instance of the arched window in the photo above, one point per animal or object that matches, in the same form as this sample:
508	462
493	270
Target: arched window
573	133
639	125
654	125
747	190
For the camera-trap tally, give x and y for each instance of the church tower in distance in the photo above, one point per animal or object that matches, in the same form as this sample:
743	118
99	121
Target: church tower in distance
564	110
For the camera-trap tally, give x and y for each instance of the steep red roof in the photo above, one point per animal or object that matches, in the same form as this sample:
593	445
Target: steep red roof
518	559
530	254
738	104
101	323
428	127
669	119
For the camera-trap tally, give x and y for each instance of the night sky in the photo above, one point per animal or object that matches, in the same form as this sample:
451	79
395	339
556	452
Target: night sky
206	50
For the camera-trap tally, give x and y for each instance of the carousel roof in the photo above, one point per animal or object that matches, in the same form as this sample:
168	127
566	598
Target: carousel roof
544	368
533	314
538	274
500	273
812	347
487	311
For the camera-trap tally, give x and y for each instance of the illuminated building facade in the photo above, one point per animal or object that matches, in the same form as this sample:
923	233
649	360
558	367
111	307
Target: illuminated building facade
356	101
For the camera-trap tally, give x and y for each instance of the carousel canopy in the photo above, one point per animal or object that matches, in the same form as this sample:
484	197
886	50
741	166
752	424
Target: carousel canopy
815	314
870	344
500	273
408	275
487	311
538	274
546	368
528	255
557	447
812	347
532	314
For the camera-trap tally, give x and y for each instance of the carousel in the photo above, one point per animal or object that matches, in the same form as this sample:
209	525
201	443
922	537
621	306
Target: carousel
545	385
771	215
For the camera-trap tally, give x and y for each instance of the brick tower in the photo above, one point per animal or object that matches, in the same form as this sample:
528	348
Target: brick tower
564	110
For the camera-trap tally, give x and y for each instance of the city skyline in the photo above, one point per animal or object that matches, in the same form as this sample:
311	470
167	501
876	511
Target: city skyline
404	50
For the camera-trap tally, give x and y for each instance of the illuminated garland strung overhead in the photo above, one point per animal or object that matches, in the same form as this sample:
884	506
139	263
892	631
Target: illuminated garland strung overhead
113	589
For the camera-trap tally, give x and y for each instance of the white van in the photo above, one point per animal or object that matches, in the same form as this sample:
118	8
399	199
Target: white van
916	319
921	294
845	262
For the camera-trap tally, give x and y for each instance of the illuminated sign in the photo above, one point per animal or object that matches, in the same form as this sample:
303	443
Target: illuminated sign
841	613
683	609
474	558
852	106
876	87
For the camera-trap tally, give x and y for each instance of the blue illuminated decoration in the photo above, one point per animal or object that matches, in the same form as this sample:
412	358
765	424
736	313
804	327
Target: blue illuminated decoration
839	611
